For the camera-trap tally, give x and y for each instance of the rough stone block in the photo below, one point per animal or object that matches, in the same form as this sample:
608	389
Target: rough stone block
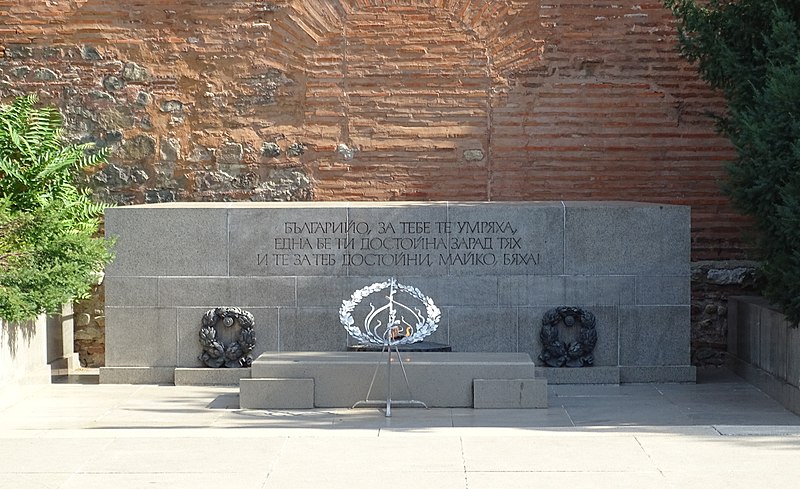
272	393
210	376
733	327
509	393
168	239
607	238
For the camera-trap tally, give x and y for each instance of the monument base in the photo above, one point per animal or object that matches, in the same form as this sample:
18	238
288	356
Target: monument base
620	375
341	379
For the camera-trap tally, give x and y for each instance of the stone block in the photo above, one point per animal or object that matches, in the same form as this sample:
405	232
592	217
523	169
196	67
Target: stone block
477	291
663	290
793	358
749	332
137	375
403	236
584	375
194	291
483	329
210	376
525	238
287	240
743	316
654	335
141	337
606	351
266	393
438	379
264	292
600	290
608	238
311	329
168	239
189	322
131	291
531	290
661	373
773	342
509	393
324	291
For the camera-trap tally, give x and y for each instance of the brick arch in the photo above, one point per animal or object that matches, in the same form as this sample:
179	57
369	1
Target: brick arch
409	84
511	30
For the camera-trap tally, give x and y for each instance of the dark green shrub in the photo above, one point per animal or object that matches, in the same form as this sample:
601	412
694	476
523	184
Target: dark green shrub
750	50
49	252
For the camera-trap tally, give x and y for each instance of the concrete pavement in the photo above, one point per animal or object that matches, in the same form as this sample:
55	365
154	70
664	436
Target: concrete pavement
719	432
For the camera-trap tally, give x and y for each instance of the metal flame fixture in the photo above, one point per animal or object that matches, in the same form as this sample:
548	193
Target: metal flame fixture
390	326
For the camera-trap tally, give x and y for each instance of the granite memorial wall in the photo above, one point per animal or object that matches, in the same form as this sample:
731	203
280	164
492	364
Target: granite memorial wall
494	269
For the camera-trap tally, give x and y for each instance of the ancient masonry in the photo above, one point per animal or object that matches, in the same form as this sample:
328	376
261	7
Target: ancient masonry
381	100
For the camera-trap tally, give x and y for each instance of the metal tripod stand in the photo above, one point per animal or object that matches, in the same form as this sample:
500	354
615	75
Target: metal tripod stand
388	347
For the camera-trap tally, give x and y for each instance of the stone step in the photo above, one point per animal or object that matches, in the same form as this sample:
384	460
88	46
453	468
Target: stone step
341	379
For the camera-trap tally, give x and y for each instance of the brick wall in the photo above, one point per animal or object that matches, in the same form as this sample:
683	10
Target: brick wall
377	100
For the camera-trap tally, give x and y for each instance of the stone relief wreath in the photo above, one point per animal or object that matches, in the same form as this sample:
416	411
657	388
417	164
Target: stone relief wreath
402	324
556	353
239	353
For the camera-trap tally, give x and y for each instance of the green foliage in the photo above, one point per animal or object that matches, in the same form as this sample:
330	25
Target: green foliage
750	49
48	250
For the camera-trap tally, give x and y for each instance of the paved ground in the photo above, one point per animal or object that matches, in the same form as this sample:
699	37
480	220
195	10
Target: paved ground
721	432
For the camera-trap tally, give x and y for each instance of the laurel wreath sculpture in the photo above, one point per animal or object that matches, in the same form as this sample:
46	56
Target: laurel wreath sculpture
555	353
216	354
375	331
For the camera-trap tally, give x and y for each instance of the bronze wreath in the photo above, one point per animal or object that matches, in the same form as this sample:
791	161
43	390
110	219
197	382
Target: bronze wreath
237	354
557	354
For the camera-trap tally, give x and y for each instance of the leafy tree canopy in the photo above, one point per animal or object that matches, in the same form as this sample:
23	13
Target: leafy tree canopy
750	50
49	252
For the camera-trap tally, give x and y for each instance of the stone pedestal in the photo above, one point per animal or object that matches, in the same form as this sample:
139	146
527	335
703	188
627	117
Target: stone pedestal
341	379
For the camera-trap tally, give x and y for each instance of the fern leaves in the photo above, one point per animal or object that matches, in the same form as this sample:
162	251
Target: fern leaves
36	166
49	252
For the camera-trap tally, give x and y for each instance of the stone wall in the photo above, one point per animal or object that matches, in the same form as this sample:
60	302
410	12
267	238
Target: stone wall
495	270
764	348
390	100
508	100
90	328
23	358
713	282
